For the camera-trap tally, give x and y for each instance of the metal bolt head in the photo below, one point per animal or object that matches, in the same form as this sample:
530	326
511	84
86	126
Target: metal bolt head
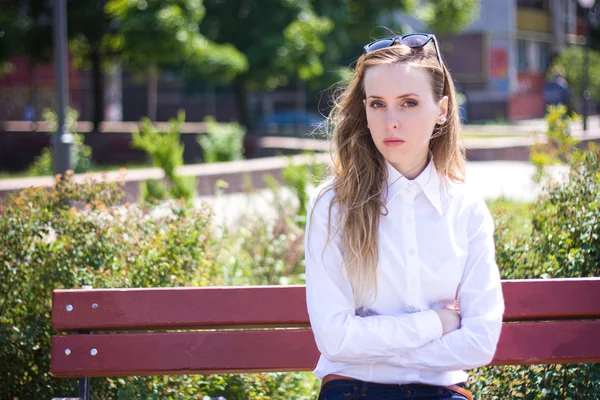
69	307
67	351
95	305
93	352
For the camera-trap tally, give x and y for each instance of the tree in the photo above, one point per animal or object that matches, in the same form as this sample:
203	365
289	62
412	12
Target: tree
154	34
26	28
279	38
447	16
357	22
88	26
312	40
571	61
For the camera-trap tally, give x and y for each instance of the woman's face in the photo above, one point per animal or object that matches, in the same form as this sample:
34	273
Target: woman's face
402	113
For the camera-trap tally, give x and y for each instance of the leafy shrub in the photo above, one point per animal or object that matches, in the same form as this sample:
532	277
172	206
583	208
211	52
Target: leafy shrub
561	240
559	147
71	235
222	141
81	153
300	178
264	252
165	151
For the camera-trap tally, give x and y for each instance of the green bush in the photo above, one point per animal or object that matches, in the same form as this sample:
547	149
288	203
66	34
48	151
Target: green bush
300	178
561	239
81	153
71	235
222	141
165	151
559	146
264	252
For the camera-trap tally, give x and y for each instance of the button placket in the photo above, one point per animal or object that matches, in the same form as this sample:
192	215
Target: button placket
411	249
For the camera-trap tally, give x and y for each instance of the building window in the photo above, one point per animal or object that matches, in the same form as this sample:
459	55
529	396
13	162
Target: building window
536	4
522	57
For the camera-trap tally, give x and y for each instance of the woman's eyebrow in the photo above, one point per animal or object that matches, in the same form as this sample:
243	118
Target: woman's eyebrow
398	97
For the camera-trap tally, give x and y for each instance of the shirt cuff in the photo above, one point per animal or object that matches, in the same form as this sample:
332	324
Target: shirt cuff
429	325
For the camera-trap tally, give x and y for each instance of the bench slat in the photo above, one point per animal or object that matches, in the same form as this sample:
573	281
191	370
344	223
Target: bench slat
169	353
546	299
286	350
180	308
563	342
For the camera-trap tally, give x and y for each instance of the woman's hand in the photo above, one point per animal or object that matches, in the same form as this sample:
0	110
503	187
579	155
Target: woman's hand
450	319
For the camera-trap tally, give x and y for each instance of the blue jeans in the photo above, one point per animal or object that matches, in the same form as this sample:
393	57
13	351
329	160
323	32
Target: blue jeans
359	390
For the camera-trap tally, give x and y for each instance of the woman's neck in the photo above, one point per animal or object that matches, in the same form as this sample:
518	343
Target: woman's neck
410	172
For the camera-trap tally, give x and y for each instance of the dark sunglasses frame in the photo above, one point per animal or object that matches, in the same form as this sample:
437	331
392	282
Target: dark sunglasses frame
411	40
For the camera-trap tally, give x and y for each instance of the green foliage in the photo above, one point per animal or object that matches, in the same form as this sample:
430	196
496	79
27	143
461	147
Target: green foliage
559	145
571	61
71	235
566	222
448	16
356	22
560	239
278	38
155	33
46	244
263	251
222	141
301	178
81	153
24	31
165	151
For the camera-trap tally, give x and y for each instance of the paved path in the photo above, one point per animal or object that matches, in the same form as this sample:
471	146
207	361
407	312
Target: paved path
491	179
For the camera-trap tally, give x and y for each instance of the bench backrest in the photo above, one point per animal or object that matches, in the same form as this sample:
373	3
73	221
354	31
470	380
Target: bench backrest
230	329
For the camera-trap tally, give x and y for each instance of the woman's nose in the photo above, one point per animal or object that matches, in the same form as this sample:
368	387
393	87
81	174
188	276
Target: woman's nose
392	121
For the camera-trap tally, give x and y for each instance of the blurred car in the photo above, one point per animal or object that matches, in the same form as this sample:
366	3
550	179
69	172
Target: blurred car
290	122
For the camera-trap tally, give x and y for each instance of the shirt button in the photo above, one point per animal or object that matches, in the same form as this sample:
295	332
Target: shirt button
411	252
407	220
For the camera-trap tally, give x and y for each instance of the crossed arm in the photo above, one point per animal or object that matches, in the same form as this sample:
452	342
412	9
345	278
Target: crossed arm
430	339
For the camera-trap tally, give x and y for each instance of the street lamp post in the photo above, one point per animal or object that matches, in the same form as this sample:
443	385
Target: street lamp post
62	141
586	5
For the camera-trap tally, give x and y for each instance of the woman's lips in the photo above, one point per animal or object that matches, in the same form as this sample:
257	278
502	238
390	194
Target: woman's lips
393	142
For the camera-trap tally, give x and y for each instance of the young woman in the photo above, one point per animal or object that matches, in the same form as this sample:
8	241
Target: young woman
403	290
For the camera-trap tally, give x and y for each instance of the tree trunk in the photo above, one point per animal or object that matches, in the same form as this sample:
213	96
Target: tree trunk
241	101
97	89
152	92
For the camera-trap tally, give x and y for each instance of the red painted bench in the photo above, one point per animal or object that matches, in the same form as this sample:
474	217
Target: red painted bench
555	321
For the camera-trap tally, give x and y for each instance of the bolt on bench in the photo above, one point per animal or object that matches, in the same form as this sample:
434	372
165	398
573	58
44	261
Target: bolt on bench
550	321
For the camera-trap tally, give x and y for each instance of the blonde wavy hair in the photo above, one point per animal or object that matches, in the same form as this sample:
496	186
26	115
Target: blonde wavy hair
358	168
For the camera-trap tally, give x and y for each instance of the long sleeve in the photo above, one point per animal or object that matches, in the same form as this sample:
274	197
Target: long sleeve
340	334
481	303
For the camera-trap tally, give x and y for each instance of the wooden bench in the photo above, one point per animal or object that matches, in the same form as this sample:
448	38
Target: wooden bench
555	321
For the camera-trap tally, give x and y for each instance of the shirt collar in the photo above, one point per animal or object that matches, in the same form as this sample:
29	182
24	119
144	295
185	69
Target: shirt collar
428	181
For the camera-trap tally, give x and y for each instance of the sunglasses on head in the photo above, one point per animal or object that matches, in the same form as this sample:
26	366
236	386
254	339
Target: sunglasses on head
413	40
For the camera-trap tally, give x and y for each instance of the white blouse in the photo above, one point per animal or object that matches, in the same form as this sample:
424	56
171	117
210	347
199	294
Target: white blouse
435	243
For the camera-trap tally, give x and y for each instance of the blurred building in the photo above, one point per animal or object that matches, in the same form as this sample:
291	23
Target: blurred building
502	58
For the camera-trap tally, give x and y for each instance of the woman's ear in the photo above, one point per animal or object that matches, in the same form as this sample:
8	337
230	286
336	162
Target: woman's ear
443	104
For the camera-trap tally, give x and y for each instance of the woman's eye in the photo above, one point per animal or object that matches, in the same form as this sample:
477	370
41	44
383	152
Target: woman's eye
410	103
376	104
